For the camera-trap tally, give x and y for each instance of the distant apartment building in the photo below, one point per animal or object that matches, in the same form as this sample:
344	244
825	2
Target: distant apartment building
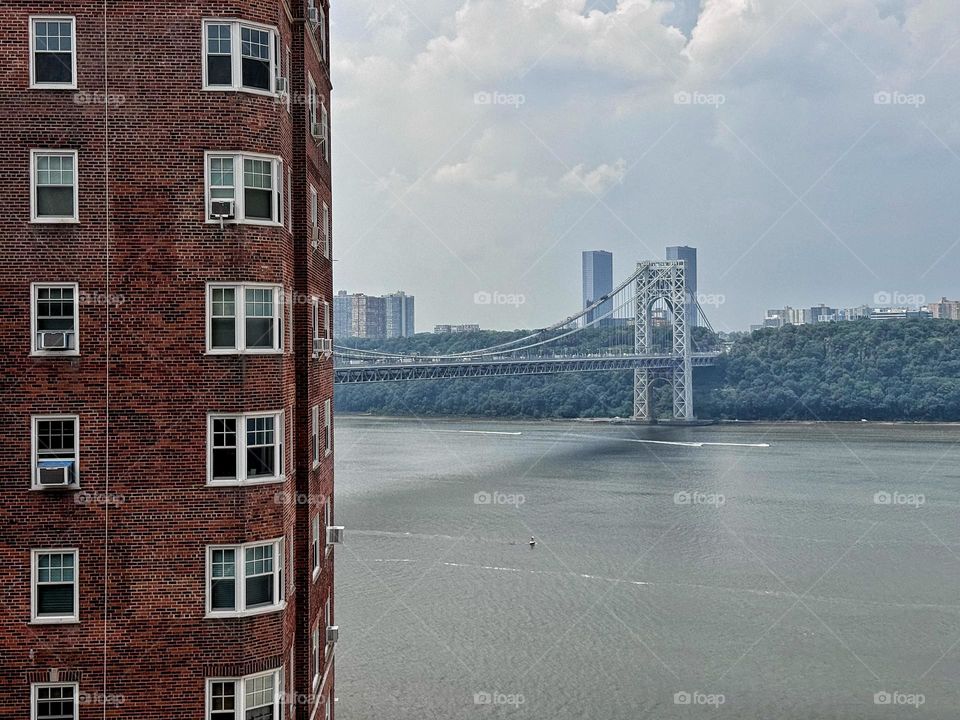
901	313
447	329
689	257
945	309
370	316
597	275
398	311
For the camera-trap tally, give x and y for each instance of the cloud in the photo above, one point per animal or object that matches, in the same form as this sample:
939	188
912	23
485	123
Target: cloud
798	161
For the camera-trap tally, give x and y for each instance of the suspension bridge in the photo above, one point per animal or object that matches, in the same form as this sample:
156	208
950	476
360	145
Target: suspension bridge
642	325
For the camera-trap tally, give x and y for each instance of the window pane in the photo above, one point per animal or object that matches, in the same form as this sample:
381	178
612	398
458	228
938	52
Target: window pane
255	58
55	599
53	51
258	204
260	318
55	202
53	67
223	585
223	332
55	703
223	700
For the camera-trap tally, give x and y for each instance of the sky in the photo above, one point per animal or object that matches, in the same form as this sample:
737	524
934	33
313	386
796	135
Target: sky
810	150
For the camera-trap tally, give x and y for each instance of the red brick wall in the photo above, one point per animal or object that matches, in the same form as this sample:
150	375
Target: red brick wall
142	560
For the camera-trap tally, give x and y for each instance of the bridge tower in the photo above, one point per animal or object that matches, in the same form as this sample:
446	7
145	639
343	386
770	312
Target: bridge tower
662	280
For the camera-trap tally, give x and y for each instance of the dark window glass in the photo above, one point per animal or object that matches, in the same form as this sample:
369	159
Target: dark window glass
55	201
260	461
258	204
219	70
55	703
260	590
261	713
224	331
223	583
55	599
53	51
223	701
53	68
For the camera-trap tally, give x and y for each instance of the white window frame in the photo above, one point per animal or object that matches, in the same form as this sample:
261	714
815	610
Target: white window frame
34	85
35	420
279	430
34	699
326	230
236	56
328	427
240	217
240	318
327	618
315	654
34	595
324	128
315	435
313	102
279	594
315	544
54	220
327	328
34	291
327	522
241	692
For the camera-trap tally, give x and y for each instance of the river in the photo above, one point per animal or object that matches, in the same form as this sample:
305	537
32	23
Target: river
738	571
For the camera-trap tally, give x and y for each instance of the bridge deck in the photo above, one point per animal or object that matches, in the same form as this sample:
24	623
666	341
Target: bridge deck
425	370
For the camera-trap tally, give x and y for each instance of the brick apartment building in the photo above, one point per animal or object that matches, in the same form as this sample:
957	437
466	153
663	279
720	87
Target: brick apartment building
166	517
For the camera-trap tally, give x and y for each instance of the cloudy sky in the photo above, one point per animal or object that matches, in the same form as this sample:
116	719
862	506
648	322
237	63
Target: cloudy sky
809	148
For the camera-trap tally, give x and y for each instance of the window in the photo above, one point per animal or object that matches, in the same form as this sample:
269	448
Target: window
315	544
56	451
315	433
55	588
53	192
54	702
327	522
54	319
240	56
324	130
327	430
245	448
326	230
322	32
327	622
244	579
314	214
53	52
258	200
315	653
254	697
312	106
244	319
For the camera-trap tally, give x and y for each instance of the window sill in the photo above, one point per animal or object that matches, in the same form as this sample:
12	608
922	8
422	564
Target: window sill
246	483
227	614
256	223
52	86
242	89
245	352
55	489
54	221
328	452
316	573
55	353
55	621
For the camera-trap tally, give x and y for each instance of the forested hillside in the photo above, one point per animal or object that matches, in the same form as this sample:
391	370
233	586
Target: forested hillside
897	370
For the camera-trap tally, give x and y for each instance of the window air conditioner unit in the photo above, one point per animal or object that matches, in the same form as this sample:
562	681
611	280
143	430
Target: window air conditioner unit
221	209
335	535
54	473
333	634
323	346
315	231
282	86
58	340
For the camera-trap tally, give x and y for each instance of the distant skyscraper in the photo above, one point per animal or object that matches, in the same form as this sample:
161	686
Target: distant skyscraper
689	256
398	308
342	314
597	281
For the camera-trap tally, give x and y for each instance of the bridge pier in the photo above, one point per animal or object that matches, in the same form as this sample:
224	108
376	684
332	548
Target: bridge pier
663	280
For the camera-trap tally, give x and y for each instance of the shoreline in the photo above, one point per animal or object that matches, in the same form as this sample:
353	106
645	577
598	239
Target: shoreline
662	423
